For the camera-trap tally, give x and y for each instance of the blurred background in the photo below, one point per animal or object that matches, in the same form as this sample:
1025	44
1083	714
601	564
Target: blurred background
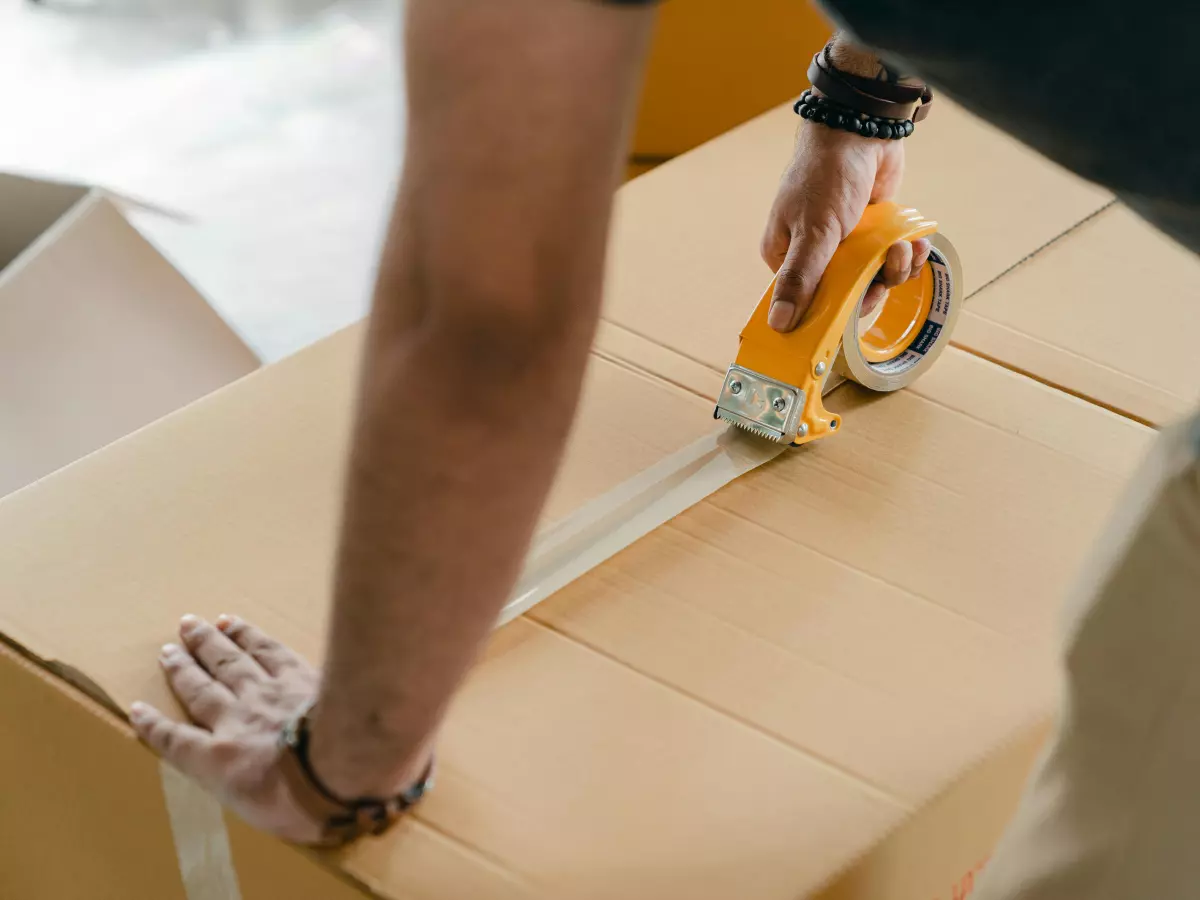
270	132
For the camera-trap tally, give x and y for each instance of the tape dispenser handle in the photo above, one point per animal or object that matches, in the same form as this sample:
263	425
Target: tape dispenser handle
805	355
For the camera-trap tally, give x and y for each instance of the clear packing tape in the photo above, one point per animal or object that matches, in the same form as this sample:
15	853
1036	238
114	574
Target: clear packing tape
885	351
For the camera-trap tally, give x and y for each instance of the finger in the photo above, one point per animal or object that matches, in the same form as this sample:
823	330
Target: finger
204	699
774	245
875	295
267	652
798	277
898	264
222	658
921	248
186	747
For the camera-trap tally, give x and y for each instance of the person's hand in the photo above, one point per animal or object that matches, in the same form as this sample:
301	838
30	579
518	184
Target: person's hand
832	177
240	687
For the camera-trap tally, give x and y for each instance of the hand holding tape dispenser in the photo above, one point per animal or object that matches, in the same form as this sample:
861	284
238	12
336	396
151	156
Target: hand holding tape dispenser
773	390
774	387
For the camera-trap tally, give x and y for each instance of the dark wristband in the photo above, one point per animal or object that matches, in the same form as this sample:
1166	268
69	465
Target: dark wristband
342	821
825	112
881	100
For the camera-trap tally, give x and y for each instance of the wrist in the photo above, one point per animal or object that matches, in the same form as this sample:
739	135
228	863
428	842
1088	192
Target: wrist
341	817
853	59
352	765
880	106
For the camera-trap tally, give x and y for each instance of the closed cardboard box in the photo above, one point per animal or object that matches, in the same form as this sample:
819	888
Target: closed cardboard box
827	679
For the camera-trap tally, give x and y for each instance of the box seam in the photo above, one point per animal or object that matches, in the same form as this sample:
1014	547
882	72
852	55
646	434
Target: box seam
876	791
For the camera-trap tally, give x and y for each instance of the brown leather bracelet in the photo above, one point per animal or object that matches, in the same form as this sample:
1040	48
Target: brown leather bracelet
343	821
882	101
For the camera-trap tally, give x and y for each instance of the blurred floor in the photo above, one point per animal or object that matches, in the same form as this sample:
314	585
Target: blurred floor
275	124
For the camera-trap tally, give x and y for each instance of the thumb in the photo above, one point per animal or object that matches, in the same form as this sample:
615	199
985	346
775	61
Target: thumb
798	277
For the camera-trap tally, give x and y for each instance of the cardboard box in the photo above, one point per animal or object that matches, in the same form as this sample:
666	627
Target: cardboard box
827	679
710	69
99	335
1105	312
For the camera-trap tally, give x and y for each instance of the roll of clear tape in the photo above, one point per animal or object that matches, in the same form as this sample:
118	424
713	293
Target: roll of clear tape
894	345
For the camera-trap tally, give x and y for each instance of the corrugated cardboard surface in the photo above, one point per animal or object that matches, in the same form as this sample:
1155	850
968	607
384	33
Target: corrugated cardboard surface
99	334
746	702
743	702
1109	312
685	260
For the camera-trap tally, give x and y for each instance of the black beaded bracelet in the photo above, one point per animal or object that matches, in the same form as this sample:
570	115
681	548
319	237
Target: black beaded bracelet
825	112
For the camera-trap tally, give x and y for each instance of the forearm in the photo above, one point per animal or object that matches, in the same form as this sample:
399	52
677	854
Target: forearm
452	460
486	303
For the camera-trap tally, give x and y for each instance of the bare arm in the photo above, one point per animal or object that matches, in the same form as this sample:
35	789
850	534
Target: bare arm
487	298
485	308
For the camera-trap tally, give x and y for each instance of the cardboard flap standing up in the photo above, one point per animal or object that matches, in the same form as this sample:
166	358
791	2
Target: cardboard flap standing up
747	702
99	335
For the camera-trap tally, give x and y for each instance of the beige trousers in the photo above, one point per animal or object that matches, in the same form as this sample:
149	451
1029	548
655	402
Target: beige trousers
1113	811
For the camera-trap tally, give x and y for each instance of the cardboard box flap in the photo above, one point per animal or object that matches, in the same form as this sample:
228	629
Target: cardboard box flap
28	208
1107	312
99	336
685	267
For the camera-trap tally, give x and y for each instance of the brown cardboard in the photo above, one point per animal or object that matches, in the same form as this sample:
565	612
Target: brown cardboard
939	853
776	680
775	694
99	335
685	261
1106	312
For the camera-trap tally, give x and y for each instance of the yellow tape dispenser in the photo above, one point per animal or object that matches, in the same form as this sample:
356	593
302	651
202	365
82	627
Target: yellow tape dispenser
775	385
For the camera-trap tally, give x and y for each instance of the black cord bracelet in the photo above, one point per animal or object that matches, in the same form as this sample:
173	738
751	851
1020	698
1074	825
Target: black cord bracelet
833	115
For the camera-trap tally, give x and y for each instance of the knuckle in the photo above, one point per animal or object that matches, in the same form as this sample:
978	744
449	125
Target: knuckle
790	277
260	720
821	230
200	636
225	751
237	628
187	685
166	738
263	644
279	658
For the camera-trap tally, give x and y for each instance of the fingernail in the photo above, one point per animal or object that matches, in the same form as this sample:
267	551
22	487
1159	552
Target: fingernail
780	315
188	623
138	711
224	621
169	650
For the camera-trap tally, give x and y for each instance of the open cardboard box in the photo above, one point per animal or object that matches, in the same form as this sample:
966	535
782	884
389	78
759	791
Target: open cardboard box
827	679
99	334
